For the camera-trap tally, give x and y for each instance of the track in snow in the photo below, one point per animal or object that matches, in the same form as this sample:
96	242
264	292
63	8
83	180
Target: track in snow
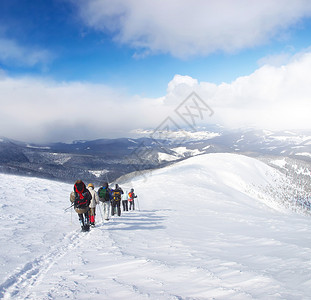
19	285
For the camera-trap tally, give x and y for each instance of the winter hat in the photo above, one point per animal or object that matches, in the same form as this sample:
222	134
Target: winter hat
90	185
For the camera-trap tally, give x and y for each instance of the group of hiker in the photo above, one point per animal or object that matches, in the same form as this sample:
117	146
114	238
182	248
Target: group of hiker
85	198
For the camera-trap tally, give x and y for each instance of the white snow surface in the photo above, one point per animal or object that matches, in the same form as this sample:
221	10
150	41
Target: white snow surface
166	157
279	162
198	234
182	151
304	154
178	134
98	173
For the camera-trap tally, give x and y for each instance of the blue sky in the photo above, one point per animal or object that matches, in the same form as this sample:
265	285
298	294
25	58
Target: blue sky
133	50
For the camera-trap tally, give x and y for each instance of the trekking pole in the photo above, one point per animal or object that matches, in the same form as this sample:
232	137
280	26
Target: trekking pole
107	177
69	207
71	216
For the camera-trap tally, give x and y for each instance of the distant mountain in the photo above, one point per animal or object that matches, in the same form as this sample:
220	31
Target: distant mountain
107	159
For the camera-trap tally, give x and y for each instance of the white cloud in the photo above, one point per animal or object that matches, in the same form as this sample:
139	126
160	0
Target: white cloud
271	97
12	52
41	110
184	28
275	60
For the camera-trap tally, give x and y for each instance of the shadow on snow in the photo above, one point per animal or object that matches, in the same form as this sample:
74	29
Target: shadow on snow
138	220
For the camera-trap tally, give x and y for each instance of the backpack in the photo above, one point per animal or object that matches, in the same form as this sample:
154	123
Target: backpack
116	195
130	196
84	200
103	194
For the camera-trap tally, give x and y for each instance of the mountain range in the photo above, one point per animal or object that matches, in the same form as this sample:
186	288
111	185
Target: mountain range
108	159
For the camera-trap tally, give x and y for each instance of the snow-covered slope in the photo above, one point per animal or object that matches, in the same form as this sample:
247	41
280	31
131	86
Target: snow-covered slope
205	229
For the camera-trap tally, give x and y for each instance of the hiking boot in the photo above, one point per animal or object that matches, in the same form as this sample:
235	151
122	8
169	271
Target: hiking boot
86	228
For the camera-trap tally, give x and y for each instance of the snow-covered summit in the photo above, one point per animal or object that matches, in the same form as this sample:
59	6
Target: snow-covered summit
233	175
205	228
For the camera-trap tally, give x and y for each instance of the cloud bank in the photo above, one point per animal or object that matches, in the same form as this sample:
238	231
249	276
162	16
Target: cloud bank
41	110
186	28
271	97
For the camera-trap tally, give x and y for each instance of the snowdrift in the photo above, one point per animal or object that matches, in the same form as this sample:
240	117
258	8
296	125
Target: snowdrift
203	178
204	229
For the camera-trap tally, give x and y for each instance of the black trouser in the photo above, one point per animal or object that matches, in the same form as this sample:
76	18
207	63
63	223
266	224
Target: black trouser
116	204
132	205
125	205
85	220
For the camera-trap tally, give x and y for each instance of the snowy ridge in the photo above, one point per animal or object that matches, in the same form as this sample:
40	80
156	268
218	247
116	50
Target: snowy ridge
201	233
229	174
304	154
179	134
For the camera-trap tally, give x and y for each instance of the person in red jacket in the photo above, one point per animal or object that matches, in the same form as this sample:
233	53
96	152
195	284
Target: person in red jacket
131	199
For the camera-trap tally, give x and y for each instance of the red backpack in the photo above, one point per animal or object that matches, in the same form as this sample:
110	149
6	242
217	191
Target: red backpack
82	198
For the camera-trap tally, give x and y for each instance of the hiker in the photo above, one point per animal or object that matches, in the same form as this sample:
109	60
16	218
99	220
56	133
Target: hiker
131	199
104	194
81	198
94	201
116	200
125	201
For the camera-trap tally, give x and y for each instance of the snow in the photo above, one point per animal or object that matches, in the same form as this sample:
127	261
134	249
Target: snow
279	162
199	233
132	141
207	147
295	139
179	134
267	132
182	151
38	147
304	154
60	158
241	139
166	157
301	170
98	173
